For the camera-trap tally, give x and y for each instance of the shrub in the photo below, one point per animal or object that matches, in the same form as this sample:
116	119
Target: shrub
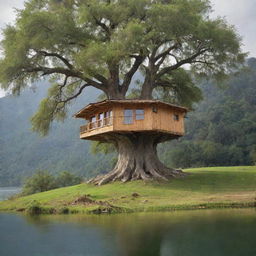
65	179
42	181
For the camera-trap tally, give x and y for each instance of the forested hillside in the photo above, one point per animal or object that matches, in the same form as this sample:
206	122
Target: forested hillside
221	131
23	151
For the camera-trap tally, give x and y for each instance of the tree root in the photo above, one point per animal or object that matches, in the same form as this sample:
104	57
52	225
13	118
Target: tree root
137	160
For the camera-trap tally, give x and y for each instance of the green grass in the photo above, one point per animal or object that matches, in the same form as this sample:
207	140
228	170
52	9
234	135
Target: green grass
204	188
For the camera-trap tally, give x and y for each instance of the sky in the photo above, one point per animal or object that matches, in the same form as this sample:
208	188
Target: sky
240	13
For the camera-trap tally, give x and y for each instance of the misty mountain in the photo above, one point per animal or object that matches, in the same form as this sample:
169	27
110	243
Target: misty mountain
23	151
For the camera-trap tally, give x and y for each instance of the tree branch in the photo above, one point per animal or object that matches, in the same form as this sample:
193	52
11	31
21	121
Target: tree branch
75	95
66	72
166	52
180	63
128	76
49	54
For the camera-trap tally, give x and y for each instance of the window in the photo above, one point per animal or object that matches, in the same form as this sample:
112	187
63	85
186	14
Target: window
93	122
139	114
154	109
128	116
176	117
100	121
108	117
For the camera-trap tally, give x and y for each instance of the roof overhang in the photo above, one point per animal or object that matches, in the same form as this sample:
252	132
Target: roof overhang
91	108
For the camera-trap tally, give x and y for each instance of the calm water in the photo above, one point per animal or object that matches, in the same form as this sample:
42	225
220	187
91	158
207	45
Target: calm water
188	233
6	192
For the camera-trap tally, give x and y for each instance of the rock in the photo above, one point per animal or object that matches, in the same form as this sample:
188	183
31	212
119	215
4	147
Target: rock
135	194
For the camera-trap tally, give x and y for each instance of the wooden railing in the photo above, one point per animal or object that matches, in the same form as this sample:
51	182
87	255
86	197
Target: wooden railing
96	125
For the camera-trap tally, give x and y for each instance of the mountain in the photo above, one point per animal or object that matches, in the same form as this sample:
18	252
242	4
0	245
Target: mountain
23	151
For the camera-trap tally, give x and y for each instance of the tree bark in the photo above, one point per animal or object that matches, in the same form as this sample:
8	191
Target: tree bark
137	159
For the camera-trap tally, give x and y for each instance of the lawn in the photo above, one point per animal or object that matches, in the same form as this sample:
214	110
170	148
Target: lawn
213	187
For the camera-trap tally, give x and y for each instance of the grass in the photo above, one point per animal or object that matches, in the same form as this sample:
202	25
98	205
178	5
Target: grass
213	187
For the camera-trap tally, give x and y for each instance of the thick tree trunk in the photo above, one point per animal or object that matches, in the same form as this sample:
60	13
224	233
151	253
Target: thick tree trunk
137	159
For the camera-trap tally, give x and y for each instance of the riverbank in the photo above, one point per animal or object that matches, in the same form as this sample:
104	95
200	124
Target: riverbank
215	187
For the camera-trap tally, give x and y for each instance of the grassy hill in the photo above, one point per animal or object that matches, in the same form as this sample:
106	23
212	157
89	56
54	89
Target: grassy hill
203	188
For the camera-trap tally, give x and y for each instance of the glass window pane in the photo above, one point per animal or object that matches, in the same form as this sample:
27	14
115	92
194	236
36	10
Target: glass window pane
139	111
176	117
139	114
101	116
128	116
93	122
128	112
128	120
140	117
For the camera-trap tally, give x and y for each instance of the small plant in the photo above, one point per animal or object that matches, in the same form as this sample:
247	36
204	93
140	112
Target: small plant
34	208
63	210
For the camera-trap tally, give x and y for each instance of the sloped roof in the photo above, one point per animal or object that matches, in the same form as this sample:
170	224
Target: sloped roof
102	105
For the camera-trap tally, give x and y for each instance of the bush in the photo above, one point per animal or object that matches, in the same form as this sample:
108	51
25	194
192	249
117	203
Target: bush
65	179
42	181
39	182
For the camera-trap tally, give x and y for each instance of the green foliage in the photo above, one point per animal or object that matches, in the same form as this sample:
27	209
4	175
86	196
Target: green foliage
43	181
34	208
65	179
222	130
103	44
178	88
39	182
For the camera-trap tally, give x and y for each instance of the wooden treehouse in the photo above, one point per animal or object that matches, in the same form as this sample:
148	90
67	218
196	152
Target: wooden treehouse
131	116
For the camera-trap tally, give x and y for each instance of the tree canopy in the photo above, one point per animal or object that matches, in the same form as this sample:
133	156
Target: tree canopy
103	43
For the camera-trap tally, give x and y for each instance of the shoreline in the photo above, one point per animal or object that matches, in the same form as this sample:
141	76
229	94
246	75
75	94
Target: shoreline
204	188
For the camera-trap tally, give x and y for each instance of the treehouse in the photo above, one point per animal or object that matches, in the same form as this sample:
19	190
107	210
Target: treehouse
131	116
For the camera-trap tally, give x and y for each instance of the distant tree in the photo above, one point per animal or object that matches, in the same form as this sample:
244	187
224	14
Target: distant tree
65	179
41	181
222	131
103	43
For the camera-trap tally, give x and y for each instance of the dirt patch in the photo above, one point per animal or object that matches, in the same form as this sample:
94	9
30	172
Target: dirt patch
103	206
86	200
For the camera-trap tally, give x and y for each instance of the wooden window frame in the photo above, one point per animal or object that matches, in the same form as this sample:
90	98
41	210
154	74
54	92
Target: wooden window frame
138	116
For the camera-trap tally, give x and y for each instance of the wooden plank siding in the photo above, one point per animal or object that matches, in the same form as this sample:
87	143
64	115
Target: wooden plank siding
163	120
137	125
157	117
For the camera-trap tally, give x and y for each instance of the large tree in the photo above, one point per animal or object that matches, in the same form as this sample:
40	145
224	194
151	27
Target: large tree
103	43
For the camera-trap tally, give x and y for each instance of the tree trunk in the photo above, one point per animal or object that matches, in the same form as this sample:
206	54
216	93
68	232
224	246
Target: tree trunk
137	159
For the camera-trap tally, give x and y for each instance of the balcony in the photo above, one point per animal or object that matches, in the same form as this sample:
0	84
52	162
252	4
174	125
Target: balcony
98	124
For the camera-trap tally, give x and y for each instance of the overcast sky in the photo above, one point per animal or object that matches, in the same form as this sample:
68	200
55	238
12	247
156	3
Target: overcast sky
240	13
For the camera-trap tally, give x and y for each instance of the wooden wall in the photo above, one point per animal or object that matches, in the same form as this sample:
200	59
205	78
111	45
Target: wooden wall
161	120
142	125
164	120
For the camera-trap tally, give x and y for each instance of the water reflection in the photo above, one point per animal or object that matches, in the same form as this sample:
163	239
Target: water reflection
189	233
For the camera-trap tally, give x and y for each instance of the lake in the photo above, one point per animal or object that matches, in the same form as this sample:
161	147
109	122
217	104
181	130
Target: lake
181	233
6	192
